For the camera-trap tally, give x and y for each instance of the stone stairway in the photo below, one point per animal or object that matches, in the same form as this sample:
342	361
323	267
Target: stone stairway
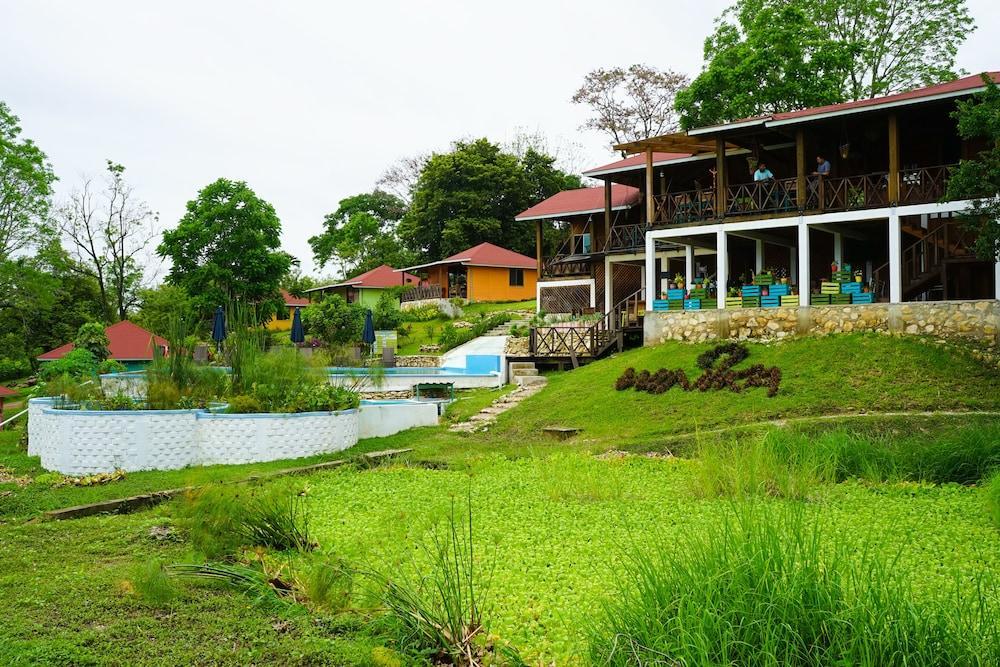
504	329
524	374
485	418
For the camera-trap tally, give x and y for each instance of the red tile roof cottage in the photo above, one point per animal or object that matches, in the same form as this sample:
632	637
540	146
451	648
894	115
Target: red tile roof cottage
128	343
485	272
367	287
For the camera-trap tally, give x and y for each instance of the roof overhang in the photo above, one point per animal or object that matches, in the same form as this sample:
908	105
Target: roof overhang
566	214
738	125
678	142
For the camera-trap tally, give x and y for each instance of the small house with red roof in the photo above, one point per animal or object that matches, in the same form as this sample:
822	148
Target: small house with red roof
366	289
485	272
283	320
5	393
128	343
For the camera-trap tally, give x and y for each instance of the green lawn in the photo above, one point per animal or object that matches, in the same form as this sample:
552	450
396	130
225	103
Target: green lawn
551	522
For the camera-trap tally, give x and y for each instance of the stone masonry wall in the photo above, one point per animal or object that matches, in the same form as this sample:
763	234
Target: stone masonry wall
419	361
977	320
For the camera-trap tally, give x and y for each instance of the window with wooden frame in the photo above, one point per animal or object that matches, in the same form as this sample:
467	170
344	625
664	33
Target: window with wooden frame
517	277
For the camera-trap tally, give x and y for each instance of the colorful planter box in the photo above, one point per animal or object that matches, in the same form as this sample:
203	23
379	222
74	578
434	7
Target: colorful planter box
790	300
829	288
734	302
675	304
778	290
698	293
692	304
660	304
770	301
844	276
820	299
751	302
675	294
750	290
709	304
761	279
840	299
863	297
850	288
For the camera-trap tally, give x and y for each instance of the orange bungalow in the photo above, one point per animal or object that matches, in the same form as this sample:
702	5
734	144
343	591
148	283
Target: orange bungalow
283	319
483	273
127	342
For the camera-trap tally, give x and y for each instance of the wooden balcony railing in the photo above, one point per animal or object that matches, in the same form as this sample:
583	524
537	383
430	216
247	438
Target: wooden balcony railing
557	267
590	340
922	185
422	292
626	237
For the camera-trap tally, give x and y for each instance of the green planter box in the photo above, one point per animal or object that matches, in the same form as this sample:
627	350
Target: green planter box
820	299
839	299
709	304
751	302
698	293
790	300
734	302
760	279
843	276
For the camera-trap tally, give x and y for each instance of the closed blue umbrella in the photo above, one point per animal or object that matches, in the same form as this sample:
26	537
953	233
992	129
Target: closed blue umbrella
219	327
298	332
368	333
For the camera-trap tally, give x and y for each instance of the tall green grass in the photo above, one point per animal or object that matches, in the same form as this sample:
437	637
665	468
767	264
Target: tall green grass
764	590
792	464
991	492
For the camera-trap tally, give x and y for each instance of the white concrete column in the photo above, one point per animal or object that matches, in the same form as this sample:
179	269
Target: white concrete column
803	263
895	259
650	270
758	255
996	280
838	249
688	265
722	273
608	285
792	257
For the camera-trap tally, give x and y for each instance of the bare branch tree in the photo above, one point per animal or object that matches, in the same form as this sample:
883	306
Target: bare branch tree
400	178
631	103
569	155
108	239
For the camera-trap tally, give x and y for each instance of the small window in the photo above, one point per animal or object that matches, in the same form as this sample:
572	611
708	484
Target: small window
517	277
581	244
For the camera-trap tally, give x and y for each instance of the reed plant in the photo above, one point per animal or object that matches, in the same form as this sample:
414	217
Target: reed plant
763	589
991	495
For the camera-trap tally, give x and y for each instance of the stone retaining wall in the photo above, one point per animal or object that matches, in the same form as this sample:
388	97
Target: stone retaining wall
419	361
518	346
977	320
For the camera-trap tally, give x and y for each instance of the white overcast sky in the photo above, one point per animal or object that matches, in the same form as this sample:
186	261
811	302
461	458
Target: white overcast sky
310	101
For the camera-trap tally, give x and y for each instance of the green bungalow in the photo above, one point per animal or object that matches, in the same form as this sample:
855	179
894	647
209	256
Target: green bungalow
365	289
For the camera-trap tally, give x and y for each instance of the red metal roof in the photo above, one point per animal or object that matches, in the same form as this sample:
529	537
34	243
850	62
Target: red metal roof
381	276
293	300
947	88
635	161
487	254
127	341
582	200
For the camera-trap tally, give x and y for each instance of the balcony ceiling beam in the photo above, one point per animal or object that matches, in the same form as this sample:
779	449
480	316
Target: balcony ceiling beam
846	232
766	238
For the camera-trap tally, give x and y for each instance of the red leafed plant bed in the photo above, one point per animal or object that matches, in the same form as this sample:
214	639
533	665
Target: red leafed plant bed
717	366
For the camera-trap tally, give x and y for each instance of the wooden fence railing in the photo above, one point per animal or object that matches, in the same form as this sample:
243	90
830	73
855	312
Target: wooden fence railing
422	292
587	341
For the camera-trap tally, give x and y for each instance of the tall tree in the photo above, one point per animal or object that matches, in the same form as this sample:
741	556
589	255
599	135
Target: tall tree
780	55
471	195
227	248
896	45
631	103
401	177
361	234
978	179
26	180
109	234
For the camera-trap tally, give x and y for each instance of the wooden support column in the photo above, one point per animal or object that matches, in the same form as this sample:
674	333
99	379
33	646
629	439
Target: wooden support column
538	247
893	160
607	214
650	203
720	177
800	169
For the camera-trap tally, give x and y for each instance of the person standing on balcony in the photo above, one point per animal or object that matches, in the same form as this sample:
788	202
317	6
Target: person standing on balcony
822	166
762	174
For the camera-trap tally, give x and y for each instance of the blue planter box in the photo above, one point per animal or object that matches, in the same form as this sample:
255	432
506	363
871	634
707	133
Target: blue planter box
675	294
692	304
850	288
770	301
751	290
778	290
660	304
863	298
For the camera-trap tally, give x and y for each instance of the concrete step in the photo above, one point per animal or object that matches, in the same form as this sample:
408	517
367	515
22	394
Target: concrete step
523	372
514	365
526	380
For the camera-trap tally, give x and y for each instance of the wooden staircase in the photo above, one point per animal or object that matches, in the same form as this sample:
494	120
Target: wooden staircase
582	344
925	261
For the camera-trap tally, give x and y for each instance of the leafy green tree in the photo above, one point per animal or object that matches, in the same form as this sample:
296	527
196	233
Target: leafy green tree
471	195
227	248
91	337
161	305
334	320
767	56
978	179
361	234
386	314
26	179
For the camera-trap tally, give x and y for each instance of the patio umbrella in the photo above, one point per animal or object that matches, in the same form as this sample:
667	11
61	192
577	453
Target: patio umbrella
298	332
368	333
219	327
